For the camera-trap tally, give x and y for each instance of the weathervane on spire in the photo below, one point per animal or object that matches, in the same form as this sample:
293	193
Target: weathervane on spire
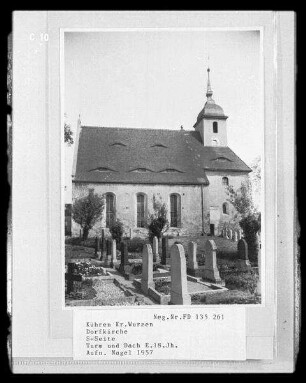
209	92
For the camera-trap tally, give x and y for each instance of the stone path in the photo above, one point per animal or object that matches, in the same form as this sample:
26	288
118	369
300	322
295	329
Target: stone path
129	285
107	290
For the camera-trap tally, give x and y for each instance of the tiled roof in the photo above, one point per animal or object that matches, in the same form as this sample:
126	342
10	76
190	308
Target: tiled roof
124	155
215	158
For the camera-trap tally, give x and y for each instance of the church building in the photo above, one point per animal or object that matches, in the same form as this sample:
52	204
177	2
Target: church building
188	170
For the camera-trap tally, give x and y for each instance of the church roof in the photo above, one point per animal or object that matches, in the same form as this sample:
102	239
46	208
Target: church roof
149	156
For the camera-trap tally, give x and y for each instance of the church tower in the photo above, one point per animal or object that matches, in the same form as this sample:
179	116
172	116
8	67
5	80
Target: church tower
211	121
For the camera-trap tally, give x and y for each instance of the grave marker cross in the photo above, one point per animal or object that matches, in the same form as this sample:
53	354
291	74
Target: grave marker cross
71	277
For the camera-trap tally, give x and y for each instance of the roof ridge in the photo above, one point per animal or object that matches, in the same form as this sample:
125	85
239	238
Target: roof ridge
129	128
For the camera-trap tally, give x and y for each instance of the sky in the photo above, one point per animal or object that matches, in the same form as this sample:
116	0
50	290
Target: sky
157	80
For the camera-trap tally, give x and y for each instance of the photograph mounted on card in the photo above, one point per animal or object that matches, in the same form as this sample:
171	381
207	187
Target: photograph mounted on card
160	208
152	154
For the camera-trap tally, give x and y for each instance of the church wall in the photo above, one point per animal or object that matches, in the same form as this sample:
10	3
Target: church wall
216	195
126	211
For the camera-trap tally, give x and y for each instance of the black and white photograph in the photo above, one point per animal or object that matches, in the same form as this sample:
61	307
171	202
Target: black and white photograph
153	225
163	145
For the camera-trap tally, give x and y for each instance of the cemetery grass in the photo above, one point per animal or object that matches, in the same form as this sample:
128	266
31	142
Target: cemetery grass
229	297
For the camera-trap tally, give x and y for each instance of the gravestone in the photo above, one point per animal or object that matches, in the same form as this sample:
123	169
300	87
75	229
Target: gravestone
114	253
243	263
226	233
192	264
71	277
103	244
179	292
165	250
235	236
211	271
108	252
155	250
147	268
230	234
239	235
124	256
97	247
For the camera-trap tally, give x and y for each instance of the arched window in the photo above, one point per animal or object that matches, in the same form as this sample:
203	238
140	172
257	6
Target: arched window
225	208
215	127
110	209
175	210
141	209
214	142
225	181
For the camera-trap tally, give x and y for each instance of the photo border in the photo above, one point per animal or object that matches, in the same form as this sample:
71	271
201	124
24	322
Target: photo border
36	350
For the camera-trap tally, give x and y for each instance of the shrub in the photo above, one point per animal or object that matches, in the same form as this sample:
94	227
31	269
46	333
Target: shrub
163	287
227	298
87	211
157	222
135	245
237	280
76	241
116	230
137	269
251	225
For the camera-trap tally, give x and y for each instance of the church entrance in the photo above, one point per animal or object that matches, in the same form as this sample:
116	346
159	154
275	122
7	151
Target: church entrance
214	219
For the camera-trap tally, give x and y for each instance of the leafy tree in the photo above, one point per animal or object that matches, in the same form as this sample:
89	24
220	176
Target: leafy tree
87	211
68	134
255	178
251	224
242	200
116	230
157	221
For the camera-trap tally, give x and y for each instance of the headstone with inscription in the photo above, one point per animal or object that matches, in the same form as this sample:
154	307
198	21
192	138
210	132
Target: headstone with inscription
165	250
179	292
192	263
155	250
114	253
243	263
211	271
147	268
124	256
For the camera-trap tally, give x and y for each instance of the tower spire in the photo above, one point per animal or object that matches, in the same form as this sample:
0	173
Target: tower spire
209	92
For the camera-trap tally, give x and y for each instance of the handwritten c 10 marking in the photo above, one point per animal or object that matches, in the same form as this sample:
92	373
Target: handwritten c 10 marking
41	37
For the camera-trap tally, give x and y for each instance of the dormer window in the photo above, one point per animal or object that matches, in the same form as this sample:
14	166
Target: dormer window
158	146
118	144
171	170
102	170
142	170
215	127
222	159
